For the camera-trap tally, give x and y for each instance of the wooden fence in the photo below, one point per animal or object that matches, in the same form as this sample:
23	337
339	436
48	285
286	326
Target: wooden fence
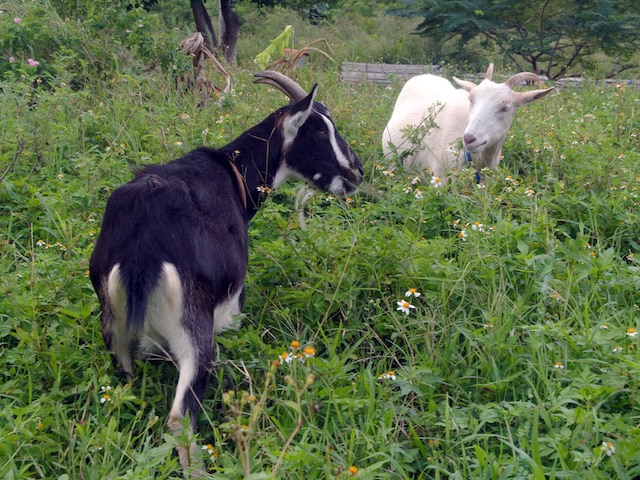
384	74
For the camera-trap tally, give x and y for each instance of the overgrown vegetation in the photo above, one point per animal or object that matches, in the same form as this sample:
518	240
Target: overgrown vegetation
519	360
554	38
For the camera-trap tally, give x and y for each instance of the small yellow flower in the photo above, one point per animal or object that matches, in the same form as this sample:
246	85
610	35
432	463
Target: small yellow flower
608	448
631	332
404	306
353	470
390	375
558	365
295	344
412	291
208	447
285	357
309	351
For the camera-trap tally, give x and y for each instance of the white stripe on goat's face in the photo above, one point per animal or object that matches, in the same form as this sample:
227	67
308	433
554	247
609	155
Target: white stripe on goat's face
315	152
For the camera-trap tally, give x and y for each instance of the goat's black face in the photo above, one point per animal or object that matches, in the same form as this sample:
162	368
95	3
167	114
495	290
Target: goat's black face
315	152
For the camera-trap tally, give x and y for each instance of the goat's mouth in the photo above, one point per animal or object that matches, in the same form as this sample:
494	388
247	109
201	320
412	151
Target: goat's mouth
473	148
343	186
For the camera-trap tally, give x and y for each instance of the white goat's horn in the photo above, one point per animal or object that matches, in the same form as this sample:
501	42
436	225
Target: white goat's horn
521	77
283	83
489	74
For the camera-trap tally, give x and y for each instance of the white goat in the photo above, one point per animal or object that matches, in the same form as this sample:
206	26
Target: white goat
430	118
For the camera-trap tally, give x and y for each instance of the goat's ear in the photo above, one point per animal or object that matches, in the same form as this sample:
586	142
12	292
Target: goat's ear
466	84
301	111
526	97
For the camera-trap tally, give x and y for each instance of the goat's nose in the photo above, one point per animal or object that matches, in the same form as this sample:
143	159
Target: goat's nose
468	139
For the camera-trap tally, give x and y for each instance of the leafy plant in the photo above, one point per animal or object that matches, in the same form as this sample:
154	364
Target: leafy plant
281	52
544	37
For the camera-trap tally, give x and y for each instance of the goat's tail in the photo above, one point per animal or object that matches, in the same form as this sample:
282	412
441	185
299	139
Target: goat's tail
138	290
129	289
161	287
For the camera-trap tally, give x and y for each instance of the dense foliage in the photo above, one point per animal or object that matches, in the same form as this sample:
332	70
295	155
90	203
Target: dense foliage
541	36
519	359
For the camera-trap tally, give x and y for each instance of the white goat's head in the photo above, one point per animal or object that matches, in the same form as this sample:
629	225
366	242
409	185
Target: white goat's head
492	107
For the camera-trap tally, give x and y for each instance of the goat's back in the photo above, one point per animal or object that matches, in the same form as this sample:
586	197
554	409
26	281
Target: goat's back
187	213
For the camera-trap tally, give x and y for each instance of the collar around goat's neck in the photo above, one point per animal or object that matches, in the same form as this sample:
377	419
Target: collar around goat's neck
240	180
467	157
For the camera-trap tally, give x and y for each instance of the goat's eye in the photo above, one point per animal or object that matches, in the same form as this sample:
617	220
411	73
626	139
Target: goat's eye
504	108
322	132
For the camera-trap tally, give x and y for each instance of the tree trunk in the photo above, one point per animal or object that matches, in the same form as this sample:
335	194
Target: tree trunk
203	24
229	25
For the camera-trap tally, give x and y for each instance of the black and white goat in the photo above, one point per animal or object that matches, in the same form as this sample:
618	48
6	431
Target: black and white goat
170	261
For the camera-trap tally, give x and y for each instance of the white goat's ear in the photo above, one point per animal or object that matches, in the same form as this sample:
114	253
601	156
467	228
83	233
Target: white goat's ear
526	97
301	111
466	84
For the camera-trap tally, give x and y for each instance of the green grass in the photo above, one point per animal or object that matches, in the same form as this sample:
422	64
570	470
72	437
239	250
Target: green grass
515	363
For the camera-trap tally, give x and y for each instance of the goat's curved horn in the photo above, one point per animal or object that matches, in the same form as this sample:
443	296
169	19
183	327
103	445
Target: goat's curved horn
521	77
489	74
283	83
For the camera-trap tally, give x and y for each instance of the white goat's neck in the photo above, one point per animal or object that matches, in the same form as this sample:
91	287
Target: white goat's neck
489	157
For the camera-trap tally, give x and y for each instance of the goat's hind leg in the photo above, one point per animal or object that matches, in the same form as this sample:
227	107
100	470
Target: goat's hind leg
117	337
193	356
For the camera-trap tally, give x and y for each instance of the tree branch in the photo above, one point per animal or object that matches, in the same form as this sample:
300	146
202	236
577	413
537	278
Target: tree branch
15	159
